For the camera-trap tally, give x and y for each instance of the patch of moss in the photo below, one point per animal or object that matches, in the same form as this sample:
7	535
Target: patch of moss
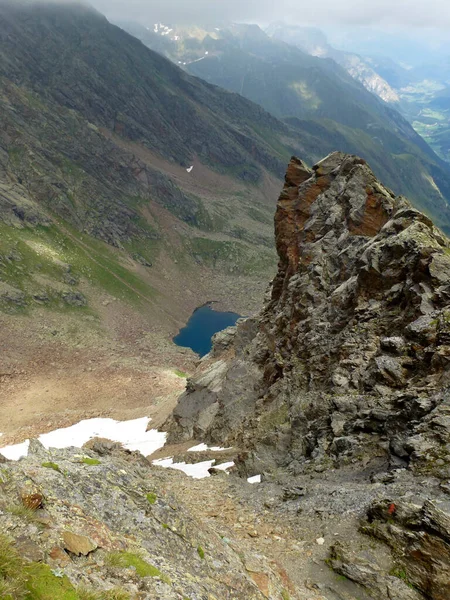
285	595
401	573
181	374
128	560
90	461
12	578
51	465
43	584
151	498
201	552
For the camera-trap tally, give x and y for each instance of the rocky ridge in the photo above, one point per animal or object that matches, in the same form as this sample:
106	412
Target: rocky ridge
345	371
102	524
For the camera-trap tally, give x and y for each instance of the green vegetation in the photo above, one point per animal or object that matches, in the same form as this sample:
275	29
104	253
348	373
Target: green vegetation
401	573
44	258
37	581
181	374
125	560
90	461
19	510
12	576
51	465
201	552
43	584
285	595
114	594
151	498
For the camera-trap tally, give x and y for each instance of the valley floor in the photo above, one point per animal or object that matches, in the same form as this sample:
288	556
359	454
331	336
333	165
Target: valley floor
112	361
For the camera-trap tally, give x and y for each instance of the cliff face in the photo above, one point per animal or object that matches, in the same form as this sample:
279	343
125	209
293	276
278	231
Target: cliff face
348	361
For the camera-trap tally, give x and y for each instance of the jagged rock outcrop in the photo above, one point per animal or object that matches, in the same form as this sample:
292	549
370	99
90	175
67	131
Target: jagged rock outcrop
349	360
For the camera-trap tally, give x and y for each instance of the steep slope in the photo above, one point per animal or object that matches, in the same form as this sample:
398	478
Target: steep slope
328	109
338	390
130	193
314	42
350	350
87	110
103	524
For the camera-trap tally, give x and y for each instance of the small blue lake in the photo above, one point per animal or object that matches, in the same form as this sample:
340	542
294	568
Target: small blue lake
202	325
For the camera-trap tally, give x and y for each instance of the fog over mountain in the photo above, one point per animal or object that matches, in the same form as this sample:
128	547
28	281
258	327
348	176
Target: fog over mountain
410	13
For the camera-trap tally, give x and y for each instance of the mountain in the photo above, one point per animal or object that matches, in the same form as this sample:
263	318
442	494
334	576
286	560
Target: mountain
422	90
103	140
339	387
327	108
314	42
130	194
128	520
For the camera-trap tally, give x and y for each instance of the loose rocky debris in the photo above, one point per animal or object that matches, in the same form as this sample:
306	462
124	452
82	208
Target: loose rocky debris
103	518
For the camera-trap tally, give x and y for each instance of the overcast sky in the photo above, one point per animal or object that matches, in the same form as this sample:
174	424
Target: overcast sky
386	13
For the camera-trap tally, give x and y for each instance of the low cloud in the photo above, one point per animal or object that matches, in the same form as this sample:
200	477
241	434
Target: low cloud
395	13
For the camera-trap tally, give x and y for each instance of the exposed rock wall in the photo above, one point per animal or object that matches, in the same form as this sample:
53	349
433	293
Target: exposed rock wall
349	358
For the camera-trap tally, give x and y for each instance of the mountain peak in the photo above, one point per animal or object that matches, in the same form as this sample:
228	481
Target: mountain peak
350	348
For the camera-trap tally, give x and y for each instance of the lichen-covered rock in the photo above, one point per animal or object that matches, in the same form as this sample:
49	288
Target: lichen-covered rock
350	357
117	523
419	537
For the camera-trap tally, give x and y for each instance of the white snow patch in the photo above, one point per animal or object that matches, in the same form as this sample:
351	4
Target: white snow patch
204	447
132	434
190	168
195	470
206	53
176	38
255	479
16	451
224	466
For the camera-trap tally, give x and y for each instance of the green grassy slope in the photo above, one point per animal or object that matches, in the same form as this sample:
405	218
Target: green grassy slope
96	138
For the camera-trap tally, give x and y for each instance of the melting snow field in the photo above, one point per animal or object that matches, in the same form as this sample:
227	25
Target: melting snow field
255	479
132	434
196	470
204	447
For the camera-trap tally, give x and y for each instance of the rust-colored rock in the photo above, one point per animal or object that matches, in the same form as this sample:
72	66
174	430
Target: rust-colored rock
33	501
263	582
78	544
59	557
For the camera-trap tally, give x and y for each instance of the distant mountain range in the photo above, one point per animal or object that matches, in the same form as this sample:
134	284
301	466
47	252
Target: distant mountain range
123	176
314	42
316	97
